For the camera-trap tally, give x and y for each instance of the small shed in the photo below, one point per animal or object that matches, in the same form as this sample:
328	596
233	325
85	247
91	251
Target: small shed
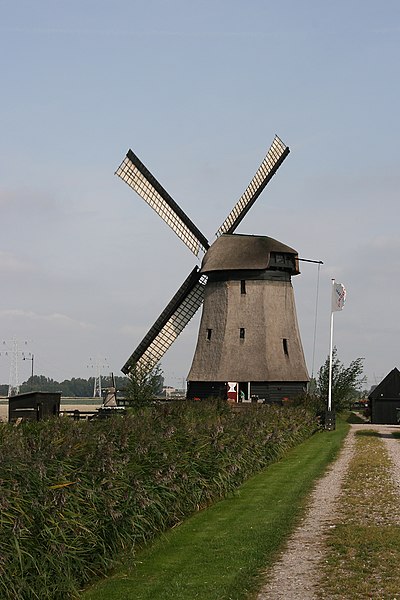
385	400
34	406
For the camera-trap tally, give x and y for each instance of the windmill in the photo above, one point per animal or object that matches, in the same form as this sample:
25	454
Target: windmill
249	344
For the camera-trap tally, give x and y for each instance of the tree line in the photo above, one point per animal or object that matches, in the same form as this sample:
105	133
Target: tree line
75	387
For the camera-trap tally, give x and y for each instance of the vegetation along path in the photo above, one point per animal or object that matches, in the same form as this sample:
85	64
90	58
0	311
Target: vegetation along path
348	544
219	553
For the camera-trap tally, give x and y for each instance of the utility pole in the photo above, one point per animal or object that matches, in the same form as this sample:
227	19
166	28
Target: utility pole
30	357
13	383
10	348
98	367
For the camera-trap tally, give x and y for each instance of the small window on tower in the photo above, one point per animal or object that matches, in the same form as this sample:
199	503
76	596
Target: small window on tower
209	333
241	333
285	346
243	286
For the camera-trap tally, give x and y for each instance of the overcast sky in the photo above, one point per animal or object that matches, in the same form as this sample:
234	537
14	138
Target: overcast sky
198	91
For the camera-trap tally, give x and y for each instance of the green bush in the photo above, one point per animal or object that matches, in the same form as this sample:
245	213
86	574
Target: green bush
75	495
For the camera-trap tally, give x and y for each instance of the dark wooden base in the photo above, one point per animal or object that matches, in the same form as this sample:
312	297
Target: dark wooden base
330	420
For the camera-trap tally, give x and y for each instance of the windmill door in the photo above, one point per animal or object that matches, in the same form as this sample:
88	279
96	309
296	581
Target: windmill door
233	390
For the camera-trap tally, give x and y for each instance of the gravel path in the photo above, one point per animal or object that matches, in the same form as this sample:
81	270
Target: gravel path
294	575
393	447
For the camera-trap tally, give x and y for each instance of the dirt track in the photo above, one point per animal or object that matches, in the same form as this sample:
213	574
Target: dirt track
295	575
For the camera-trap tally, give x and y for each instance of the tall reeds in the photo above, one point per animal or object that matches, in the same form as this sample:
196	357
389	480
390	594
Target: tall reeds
75	496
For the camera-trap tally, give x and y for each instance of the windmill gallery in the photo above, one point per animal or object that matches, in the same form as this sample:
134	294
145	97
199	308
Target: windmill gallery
248	343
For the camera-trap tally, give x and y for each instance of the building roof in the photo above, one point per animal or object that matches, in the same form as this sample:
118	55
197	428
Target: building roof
35	393
235	252
389	387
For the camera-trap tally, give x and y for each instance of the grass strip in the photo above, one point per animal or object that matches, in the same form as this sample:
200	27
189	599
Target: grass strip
219	553
364	546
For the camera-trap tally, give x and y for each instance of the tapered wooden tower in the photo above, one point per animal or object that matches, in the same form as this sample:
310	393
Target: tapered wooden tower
248	333
249	343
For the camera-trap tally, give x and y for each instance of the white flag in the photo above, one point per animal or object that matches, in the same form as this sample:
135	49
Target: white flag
338	296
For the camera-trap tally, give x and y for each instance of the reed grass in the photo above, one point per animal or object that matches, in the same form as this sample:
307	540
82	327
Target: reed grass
75	496
221	553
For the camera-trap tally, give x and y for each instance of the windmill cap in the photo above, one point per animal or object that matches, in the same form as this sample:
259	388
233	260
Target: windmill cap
235	252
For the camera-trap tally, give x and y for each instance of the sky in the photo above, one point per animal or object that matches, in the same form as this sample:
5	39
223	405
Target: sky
197	90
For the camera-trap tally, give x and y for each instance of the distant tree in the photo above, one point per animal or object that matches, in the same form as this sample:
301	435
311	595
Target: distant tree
120	383
143	383
78	387
40	383
312	386
347	382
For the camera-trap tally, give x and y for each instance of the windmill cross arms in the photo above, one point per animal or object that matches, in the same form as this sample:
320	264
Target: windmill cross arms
139	178
271	163
170	323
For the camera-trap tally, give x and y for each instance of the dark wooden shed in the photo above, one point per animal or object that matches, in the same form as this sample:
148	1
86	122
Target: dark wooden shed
385	400
34	406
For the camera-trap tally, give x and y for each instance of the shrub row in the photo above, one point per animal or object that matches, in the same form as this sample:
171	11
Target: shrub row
75	495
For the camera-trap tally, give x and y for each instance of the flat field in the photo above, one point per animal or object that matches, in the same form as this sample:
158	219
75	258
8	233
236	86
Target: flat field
84	404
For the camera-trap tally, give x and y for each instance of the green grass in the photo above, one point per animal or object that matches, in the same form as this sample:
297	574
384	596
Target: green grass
219	553
364	546
354	418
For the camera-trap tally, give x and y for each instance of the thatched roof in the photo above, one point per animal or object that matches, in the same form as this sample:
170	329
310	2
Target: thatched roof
234	252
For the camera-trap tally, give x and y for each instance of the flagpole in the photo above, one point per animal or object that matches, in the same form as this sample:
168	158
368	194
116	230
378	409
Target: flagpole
338	300
330	359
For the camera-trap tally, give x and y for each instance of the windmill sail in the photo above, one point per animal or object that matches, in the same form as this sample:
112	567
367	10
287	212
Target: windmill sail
226	305
271	163
170	323
139	178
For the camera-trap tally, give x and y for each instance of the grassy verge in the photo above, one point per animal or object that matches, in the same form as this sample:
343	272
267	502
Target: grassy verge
218	553
355	418
364	547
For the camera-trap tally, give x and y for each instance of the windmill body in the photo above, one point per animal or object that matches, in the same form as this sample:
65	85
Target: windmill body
248	331
249	343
